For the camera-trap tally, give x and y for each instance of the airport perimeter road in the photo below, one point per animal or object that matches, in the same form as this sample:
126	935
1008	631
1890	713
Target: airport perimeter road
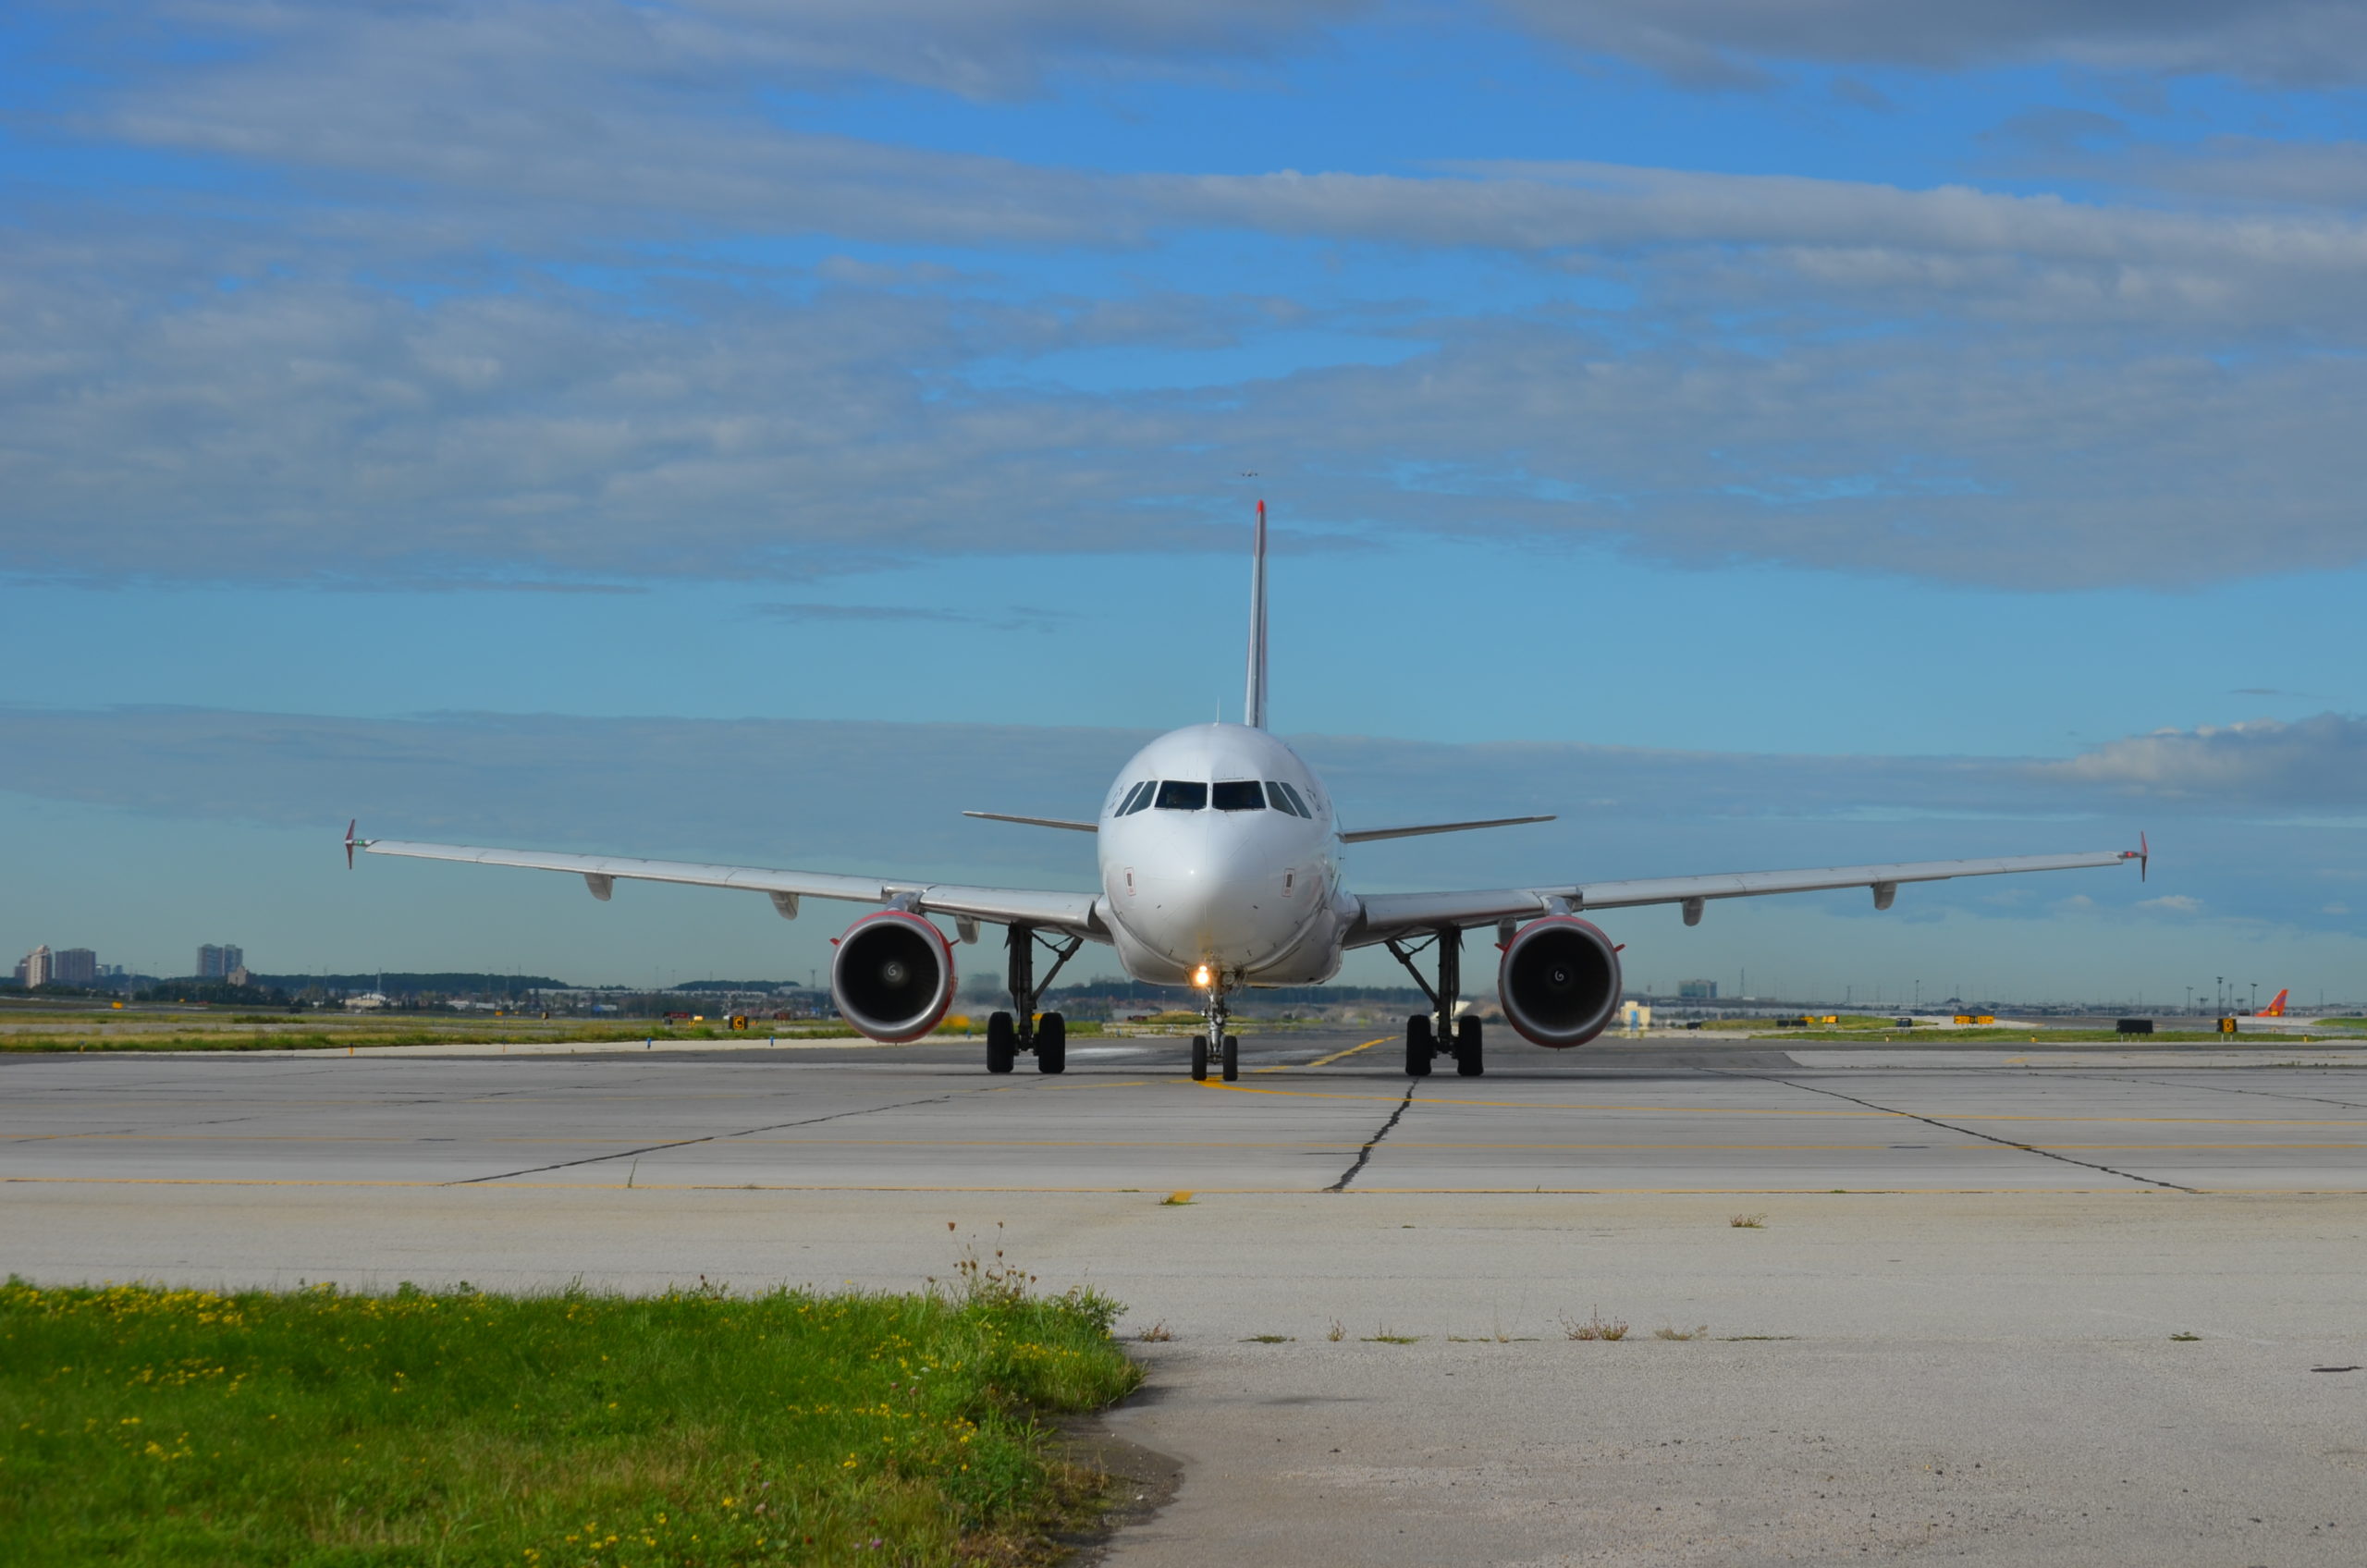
1952	1336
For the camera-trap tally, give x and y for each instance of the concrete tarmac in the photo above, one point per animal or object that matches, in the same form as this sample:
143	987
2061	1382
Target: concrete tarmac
1951	1336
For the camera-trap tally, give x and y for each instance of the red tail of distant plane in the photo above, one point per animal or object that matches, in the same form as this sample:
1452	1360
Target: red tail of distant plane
2276	1009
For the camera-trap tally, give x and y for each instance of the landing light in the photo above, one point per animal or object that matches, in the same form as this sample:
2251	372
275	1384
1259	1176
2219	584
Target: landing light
1200	977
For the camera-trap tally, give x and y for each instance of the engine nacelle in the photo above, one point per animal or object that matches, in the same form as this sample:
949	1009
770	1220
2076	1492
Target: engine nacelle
1559	981
893	976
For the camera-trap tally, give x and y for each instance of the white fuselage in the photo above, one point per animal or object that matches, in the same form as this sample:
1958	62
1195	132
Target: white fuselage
1219	851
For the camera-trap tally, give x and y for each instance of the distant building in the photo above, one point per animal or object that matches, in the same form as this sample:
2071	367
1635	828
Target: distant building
1696	990
215	962
37	968
240	976
74	966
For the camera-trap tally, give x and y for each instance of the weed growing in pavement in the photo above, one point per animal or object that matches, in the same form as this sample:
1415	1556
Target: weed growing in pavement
1384	1335
2186	1338
1596	1327
1748	1221
1269	1340
1159	1333
1699	1331
1336	1332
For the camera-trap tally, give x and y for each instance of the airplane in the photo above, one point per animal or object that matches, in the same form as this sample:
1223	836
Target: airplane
2276	1008
1221	865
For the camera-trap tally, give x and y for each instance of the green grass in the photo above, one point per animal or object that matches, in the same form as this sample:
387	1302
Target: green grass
314	1037
307	1039
143	1425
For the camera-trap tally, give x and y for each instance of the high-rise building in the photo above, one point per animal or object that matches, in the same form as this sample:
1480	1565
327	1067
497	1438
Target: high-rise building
74	966
37	967
215	962
1696	990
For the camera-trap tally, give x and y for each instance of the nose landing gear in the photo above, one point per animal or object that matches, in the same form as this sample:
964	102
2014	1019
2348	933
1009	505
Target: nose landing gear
1439	1032
1047	1037
1215	1042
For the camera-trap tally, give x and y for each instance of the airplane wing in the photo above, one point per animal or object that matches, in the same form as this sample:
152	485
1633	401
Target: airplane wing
1072	912
1368	834
1393	914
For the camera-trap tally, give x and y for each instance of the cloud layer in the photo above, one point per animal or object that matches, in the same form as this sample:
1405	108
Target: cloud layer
1719	43
596	292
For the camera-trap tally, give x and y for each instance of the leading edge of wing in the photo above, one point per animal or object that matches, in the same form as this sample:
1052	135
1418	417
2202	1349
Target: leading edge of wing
1072	911
1387	914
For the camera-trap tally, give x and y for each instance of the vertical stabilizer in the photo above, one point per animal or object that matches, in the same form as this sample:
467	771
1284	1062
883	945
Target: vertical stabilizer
2276	1008
1253	708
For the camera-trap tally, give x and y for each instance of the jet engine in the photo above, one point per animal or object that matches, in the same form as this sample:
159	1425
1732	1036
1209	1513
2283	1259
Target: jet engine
893	976
1559	981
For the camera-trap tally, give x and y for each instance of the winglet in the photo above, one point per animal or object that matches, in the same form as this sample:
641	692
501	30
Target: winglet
1253	706
2144	854
351	841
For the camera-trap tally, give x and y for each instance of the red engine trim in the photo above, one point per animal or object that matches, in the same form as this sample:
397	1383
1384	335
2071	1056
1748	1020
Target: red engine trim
911	1030
1506	996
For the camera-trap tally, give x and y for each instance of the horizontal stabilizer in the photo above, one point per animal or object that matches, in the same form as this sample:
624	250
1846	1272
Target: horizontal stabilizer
1370	834
1037	820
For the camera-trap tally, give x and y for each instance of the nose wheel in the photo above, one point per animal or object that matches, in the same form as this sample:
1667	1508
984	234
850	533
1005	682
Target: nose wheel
1225	1048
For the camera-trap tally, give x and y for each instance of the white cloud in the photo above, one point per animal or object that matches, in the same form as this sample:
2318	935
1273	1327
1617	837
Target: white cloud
1717	43
2316	762
2173	903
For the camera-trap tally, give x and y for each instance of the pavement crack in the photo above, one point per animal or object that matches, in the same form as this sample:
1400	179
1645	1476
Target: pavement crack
1967	1132
2220	1089
689	1142
1365	1154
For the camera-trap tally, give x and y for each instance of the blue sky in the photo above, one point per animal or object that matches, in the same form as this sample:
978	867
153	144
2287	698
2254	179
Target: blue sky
1868	397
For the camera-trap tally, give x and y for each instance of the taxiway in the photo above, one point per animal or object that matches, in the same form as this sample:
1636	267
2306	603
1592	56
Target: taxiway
1951	1335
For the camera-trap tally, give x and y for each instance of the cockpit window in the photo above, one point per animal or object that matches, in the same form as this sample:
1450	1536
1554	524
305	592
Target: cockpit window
1238	794
1276	792
1297	805
1134	801
1182	795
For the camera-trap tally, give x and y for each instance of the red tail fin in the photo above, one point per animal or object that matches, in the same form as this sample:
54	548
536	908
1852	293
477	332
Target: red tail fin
2276	1009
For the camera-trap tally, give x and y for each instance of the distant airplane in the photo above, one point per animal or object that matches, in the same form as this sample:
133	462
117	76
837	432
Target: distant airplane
1220	869
2276	1008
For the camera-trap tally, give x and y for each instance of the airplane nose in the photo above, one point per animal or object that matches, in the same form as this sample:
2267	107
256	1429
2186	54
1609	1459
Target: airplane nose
1208	900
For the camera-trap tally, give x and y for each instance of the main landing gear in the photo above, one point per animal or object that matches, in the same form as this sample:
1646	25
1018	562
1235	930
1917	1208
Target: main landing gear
1047	1037
1215	1042
1438	1032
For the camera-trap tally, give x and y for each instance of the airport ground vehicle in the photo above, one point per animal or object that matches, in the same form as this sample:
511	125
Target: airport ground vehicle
1220	867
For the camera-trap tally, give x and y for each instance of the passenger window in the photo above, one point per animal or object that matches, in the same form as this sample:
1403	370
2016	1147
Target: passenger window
1297	803
1182	795
1278	794
1239	794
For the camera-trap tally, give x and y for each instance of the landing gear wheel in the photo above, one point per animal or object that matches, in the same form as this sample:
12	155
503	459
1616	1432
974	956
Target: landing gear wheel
1420	1046
1002	1043
1468	1061
1199	1058
1052	1044
1231	1058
